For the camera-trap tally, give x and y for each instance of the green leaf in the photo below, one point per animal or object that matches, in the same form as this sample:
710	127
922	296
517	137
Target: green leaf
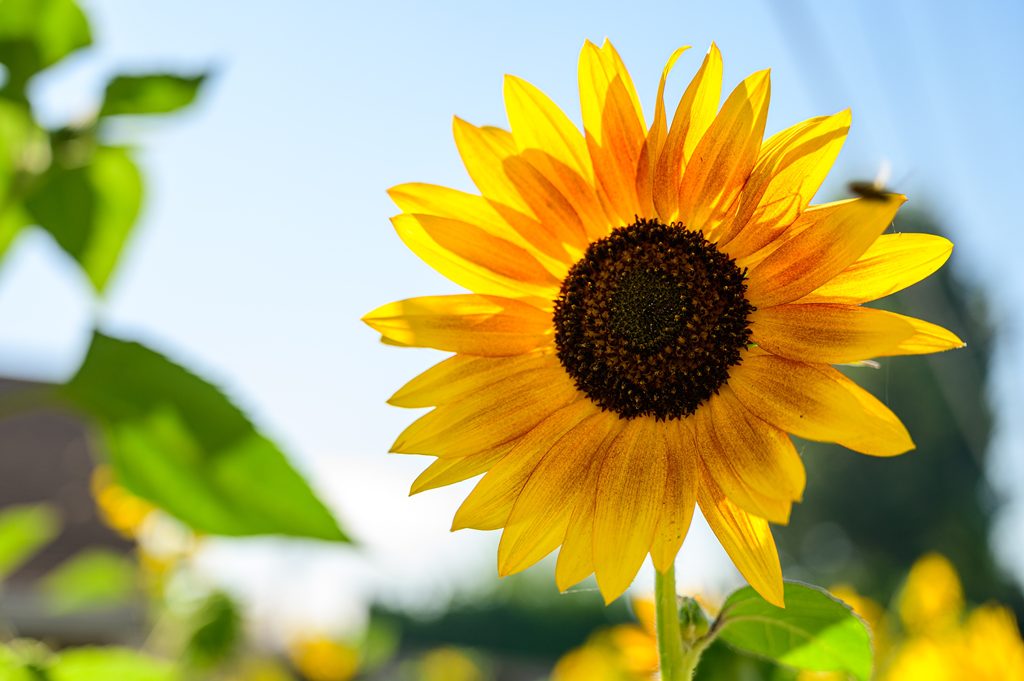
815	631
92	579
217	633
107	664
24	153
91	209
151	94
24	659
35	34
174	439
23	531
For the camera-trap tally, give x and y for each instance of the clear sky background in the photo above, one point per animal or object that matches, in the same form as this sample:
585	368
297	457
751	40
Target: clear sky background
265	235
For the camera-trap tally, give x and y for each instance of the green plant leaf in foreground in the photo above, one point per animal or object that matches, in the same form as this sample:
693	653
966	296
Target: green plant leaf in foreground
108	664
176	440
90	210
35	34
815	631
23	531
150	94
94	578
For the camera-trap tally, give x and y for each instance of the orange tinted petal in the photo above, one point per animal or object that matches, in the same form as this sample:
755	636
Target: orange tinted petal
817	402
474	259
543	509
629	498
828	334
836	234
614	127
746	538
680	494
655	142
789	170
489	504
724	157
471	324
891	264
693	116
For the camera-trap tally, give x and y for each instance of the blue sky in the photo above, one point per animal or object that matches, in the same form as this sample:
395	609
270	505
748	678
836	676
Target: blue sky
265	234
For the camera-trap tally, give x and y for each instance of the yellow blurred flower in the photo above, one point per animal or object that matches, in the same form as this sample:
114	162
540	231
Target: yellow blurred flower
625	652
449	664
121	510
932	599
321	658
940	644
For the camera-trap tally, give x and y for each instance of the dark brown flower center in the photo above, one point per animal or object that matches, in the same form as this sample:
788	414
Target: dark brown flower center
650	319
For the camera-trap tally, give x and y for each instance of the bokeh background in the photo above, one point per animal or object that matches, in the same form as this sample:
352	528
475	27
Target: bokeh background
264	237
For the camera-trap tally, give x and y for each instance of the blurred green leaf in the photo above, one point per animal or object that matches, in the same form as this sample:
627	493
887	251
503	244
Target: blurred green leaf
35	34
24	659
218	629
23	531
110	664
92	579
91	209
815	631
24	153
176	440
151	94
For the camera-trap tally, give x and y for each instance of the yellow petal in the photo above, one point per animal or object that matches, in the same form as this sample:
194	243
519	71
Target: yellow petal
489	504
483	149
449	471
680	494
836	334
537	123
495	219
655	141
576	557
891	264
614	127
829	334
554	211
578	192
694	115
746	538
598	68
474	259
724	157
431	199
629	498
471	324
789	170
754	463
460	376
835	235
926	339
498	413
542	512
817	402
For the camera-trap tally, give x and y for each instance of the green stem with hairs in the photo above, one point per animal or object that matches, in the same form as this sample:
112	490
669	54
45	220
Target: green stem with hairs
677	658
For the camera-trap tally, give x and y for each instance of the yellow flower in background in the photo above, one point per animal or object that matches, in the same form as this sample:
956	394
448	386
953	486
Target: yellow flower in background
121	510
653	311
449	664
321	658
624	652
939	644
932	599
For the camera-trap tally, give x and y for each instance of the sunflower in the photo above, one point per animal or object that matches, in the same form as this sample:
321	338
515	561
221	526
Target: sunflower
652	312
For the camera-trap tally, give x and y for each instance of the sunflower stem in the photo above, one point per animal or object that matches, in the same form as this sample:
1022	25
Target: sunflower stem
676	663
